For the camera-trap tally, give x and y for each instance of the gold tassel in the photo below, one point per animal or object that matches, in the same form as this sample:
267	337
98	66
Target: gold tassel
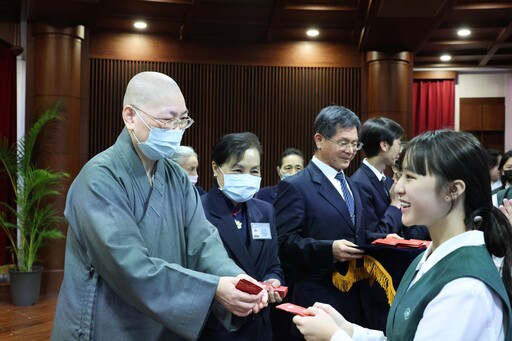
372	270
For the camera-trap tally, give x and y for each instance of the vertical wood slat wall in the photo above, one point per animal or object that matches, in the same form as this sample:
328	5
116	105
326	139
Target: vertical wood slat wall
278	104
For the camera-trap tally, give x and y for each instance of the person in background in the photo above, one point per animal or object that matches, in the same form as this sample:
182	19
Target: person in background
186	157
246	226
291	162
381	143
319	216
493	161
382	216
142	262
445	186
506	180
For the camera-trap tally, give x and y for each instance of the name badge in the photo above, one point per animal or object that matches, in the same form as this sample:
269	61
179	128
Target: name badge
261	231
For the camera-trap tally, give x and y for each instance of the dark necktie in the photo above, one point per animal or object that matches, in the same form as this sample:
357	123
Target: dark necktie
385	186
349	200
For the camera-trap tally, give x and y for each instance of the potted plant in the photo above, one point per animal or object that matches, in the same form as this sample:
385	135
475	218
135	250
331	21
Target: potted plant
33	219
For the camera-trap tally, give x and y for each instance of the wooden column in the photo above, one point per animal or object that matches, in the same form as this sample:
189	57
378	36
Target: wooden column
390	87
54	69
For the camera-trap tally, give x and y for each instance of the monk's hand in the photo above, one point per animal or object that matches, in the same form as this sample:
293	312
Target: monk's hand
236	301
263	294
344	250
274	296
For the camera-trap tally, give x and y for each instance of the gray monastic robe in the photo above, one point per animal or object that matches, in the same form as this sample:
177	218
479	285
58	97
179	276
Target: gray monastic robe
142	262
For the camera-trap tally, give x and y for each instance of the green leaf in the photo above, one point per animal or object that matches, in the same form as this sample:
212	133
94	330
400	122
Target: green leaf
36	219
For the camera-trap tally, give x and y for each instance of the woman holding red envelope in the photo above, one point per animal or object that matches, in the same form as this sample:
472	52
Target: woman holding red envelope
460	288
246	227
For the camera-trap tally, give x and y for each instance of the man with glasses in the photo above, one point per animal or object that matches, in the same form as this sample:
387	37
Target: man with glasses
142	262
319	216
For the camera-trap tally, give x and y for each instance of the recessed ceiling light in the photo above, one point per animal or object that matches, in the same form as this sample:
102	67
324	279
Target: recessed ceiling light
140	25
445	57
312	32
463	32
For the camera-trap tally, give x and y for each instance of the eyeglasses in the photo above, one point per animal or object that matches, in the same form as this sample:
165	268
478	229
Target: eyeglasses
345	145
170	123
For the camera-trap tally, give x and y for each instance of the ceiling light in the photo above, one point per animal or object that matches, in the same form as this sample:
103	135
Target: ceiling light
140	25
312	32
446	57
463	32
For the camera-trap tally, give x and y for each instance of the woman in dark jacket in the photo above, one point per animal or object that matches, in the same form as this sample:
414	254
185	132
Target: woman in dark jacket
246	226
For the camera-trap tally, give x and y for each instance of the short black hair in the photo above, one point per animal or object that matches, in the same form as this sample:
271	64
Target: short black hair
378	129
493	156
234	146
333	117
504	160
288	152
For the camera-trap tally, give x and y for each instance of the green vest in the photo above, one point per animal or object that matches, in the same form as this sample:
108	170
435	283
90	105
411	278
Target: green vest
409	305
504	193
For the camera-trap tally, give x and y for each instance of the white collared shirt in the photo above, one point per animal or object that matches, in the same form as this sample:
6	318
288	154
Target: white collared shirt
375	171
330	174
465	309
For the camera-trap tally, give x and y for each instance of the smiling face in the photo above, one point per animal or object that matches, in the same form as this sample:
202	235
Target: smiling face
423	203
392	152
329	152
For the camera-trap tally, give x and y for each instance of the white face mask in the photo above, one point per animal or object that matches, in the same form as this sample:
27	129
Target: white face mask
286	175
161	143
240	187
193	179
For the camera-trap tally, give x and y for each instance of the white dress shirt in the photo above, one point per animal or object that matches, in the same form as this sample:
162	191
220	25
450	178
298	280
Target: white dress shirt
465	309
375	171
330	174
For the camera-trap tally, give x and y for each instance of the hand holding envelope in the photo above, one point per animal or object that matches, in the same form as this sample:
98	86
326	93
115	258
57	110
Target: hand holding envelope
276	291
320	322
239	302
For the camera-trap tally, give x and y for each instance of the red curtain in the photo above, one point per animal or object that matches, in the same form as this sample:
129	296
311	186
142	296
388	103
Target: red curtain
433	104
7	125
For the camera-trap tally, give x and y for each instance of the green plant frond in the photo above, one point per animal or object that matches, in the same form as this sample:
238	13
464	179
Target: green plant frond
26	144
37	221
9	161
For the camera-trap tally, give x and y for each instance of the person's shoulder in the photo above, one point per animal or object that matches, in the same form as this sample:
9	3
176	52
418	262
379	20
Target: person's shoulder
359	175
505	192
200	190
266	190
262	203
498	189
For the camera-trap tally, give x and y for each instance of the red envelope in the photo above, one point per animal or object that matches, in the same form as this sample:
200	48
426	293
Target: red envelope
248	287
292	308
281	290
402	243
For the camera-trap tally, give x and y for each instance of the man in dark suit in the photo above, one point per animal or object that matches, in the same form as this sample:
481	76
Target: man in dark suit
382	216
319	216
381	143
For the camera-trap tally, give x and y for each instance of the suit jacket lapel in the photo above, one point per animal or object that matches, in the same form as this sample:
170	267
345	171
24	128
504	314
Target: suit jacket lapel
376	183
329	192
223	220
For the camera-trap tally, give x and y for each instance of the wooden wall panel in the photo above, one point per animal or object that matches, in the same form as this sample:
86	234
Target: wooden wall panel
278	104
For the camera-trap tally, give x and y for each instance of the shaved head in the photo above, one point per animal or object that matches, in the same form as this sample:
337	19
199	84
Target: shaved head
151	89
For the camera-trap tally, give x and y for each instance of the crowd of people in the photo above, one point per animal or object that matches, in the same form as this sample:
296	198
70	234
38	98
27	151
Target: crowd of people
151	255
